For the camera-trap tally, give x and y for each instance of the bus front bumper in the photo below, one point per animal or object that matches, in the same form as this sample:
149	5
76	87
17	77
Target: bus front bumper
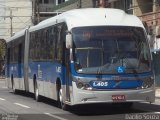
106	96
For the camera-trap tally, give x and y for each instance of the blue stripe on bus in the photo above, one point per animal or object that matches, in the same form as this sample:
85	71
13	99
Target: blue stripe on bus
112	84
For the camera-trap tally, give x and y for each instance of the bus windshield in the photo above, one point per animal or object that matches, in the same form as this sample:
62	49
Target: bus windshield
103	49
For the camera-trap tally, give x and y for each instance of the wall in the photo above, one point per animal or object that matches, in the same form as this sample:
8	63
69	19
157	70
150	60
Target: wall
73	4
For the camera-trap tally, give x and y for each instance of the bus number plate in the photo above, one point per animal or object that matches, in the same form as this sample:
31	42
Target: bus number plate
100	84
118	97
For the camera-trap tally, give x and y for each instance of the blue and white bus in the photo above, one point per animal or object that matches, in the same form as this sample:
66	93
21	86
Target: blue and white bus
83	56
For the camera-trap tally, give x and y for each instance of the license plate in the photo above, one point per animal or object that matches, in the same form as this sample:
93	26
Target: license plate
118	97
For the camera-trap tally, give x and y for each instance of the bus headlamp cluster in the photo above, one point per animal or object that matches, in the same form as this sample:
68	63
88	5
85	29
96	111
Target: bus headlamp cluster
147	82
84	86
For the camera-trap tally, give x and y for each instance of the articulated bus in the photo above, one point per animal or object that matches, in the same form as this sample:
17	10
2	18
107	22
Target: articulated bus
83	56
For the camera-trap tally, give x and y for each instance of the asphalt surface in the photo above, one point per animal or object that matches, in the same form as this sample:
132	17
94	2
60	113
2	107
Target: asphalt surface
23	107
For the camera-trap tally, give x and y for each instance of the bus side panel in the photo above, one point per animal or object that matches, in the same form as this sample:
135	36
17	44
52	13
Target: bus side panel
16	76
46	75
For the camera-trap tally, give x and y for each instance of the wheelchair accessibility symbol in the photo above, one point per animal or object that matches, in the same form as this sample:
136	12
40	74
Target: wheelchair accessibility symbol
120	69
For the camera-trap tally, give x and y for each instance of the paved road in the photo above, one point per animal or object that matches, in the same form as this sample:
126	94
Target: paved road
24	107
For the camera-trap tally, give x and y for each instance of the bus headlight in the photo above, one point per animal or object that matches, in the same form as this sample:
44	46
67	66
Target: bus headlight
84	86
80	85
147	82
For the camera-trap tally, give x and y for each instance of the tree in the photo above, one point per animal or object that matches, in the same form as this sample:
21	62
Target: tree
2	53
2	48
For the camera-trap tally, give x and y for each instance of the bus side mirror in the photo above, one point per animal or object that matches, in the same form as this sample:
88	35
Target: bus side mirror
68	41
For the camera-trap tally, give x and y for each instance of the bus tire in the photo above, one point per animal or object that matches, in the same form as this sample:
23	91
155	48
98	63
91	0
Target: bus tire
60	100
61	104
13	86
36	92
14	89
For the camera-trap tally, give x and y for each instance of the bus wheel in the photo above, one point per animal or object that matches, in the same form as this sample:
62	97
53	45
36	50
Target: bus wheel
14	89
36	92
13	86
60	100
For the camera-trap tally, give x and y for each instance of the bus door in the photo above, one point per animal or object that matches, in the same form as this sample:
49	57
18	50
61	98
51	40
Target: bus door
8	65
67	66
65	58
19	60
20	65
25	47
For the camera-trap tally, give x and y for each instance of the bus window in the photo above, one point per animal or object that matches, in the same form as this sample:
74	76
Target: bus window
106	48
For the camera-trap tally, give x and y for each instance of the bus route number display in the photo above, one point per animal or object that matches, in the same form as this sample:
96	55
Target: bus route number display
106	33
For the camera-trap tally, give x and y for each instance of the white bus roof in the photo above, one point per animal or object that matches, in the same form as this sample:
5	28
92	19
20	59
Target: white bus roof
91	17
87	17
16	35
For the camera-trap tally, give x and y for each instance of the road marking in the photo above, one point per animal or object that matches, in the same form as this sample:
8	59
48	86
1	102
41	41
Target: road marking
22	105
55	116
157	112
2	99
4	87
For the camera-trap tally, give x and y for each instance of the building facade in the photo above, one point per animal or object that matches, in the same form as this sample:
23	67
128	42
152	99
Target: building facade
149	13
42	9
73	4
18	15
2	19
